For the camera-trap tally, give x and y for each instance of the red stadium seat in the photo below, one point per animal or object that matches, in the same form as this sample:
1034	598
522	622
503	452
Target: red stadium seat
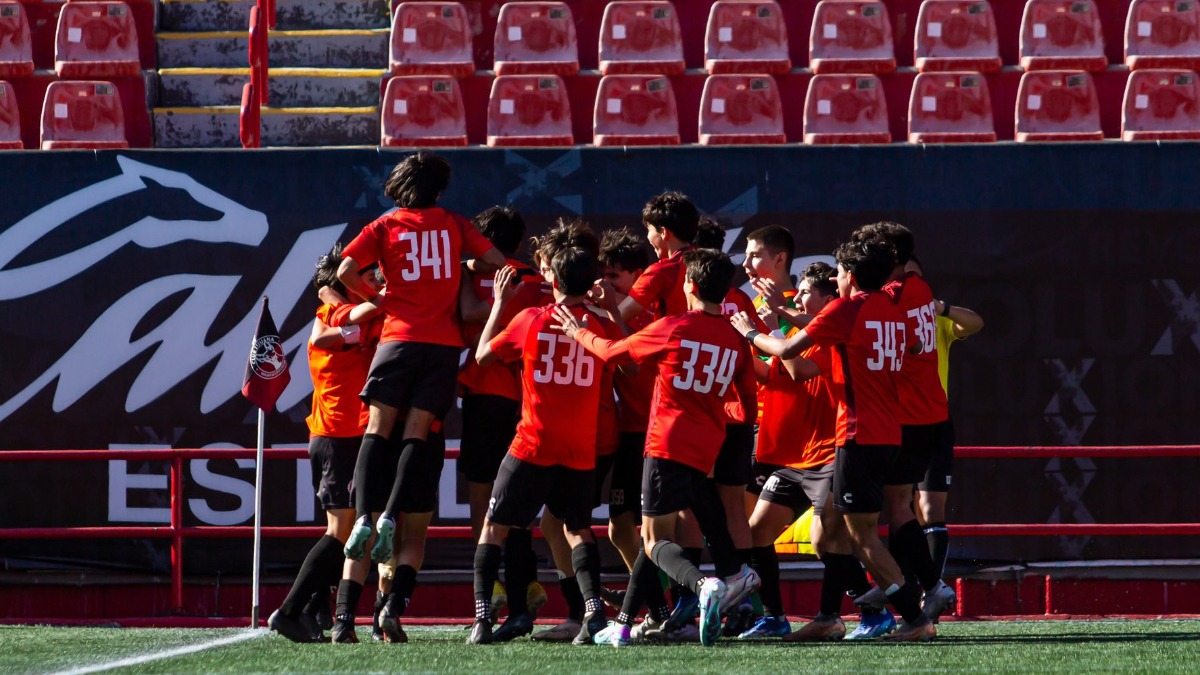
431	38
82	115
741	110
423	110
529	110
10	119
1163	34
957	35
1062	35
96	40
950	108
16	48
1161	105
851	36
250	118
635	110
746	37
536	38
640	37
845	109
1056	105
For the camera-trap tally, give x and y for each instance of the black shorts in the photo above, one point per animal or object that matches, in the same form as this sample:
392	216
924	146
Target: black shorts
521	489
733	462
332	462
941	465
414	375
799	489
604	465
858	476
668	486
916	452
759	473
488	427
625	489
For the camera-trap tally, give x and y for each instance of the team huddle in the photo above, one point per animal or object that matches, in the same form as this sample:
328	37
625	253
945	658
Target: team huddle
628	371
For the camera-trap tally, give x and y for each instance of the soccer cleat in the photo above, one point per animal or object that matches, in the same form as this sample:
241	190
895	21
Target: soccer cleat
615	634
612	598
685	633
594	623
872	601
820	629
356	545
343	630
535	597
389	625
739	619
921	630
563	632
712	594
738	587
871	626
499	600
481	633
685	610
380	601
648	629
381	552
514	626
768	627
937	601
289	627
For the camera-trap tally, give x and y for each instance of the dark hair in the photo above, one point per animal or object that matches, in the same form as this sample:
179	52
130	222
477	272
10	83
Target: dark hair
418	180
776	239
712	271
899	236
575	269
675	212
870	260
709	234
625	249
503	226
822	277
573	233
327	267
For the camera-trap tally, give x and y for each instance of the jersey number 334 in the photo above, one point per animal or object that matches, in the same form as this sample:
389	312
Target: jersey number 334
716	365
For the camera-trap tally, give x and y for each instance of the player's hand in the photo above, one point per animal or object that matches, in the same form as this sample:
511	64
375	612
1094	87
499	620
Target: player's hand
768	317
771	295
742	323
503	286
567	322
604	295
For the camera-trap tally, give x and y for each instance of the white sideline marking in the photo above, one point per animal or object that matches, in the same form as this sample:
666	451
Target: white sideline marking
170	653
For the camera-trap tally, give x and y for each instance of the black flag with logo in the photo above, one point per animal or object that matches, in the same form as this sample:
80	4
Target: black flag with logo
267	368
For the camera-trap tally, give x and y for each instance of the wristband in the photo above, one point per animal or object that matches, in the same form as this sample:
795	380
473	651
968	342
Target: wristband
754	332
351	335
946	308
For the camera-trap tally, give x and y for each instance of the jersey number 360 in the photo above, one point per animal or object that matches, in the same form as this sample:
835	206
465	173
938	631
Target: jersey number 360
573	364
718	367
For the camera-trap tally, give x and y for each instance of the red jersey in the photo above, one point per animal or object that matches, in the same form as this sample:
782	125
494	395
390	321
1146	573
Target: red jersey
608	432
736	301
698	357
496	379
798	428
660	287
635	391
419	252
922	398
560	388
866	334
338	377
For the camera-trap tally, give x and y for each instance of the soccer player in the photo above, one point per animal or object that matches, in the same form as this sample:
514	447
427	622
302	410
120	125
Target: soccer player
698	358
553	456
340	349
671	221
867	333
412	377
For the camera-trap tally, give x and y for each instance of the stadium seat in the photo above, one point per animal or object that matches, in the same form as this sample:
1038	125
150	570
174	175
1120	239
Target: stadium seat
851	36
635	110
1163	34
96	40
1056	105
250	118
536	38
1161	105
16	48
740	109
431	38
423	110
1062	35
10	119
950	108
529	110
957	35
640	37
746	37
82	115
845	109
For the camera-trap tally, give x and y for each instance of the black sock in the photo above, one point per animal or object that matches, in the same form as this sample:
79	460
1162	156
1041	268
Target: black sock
412	450
851	573
520	569
403	585
833	585
585	560
349	591
906	600
710	515
765	561
694	554
487	569
643	577
669	557
327	552
652	593
912	553
371	444
381	599
938	539
571	593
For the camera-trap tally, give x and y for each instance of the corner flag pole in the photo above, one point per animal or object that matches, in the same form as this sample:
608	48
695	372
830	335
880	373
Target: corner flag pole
258	485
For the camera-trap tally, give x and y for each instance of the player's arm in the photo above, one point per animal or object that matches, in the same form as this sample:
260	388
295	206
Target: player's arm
502	292
745	381
630	308
470	307
783	348
348	274
330	338
801	369
762	371
966	322
487	263
606	350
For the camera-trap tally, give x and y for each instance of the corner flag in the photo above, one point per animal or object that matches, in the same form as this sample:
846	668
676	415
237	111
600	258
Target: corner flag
267	368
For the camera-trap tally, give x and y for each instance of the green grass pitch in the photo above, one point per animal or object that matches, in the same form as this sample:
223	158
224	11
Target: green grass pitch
998	646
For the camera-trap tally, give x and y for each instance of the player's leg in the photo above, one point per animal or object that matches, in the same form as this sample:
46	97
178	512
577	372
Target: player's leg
774	512
568	585
488	426
728	560
373	454
571	500
932	493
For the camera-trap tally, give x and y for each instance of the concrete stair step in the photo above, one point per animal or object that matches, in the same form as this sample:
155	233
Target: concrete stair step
330	48
208	15
217	127
290	87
